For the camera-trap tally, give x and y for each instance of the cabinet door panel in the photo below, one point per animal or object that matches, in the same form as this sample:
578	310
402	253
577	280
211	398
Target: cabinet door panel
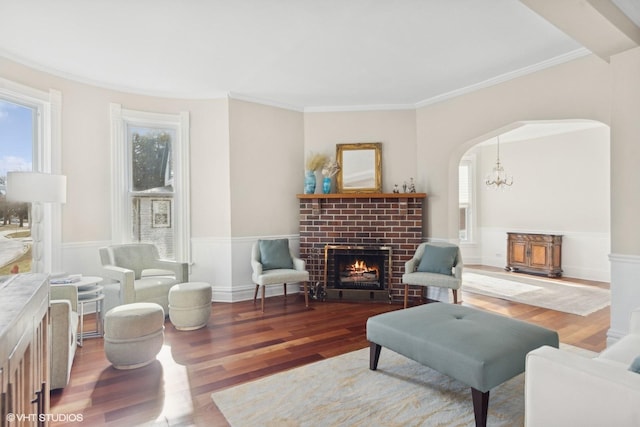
539	255
518	253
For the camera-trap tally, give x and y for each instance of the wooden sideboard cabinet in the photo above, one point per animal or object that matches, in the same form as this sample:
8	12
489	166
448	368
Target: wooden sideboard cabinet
24	349
535	253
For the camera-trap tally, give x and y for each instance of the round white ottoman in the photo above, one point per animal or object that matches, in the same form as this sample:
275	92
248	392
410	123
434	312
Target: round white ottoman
190	305
133	334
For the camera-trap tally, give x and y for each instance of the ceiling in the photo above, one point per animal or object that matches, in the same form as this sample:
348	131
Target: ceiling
310	55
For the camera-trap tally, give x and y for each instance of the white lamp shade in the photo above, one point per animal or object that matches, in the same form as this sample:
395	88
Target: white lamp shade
36	187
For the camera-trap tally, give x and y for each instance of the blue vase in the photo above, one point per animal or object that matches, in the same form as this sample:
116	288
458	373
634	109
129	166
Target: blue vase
309	182
326	185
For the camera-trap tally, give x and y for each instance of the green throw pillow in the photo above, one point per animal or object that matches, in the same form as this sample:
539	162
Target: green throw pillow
275	254
438	259
635	365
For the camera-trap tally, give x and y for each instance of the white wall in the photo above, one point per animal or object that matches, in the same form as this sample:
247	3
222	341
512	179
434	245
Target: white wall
561	186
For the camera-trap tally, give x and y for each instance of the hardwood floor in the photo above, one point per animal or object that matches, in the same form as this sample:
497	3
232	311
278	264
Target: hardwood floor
241	344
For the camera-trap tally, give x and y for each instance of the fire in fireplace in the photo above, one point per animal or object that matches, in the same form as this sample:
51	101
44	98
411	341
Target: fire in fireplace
356	267
359	271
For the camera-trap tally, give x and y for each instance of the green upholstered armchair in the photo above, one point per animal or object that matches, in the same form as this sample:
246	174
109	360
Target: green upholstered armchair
140	275
273	263
436	264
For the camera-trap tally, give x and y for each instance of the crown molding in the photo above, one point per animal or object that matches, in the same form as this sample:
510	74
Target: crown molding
578	53
353	108
109	86
267	102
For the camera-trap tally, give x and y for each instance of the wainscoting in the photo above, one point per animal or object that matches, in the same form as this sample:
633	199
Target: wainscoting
224	262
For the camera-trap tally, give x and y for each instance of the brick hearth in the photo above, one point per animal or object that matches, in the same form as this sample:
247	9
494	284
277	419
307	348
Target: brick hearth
393	220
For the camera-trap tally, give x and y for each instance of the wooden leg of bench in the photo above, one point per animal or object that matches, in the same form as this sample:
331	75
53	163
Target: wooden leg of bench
480	406
374	355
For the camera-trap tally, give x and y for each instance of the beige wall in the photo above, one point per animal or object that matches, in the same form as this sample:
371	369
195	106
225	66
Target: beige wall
267	169
396	130
561	183
580	89
233	144
246	155
561	186
86	153
625	153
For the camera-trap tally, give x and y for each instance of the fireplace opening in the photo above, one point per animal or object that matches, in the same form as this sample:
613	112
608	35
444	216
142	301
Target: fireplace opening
357	272
361	271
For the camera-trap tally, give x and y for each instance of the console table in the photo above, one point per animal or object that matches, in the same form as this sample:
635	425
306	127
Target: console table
535	253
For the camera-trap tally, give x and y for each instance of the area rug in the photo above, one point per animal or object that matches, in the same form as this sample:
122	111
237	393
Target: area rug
342	391
552	294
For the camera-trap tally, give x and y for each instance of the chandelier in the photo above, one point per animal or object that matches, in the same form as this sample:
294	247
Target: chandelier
498	178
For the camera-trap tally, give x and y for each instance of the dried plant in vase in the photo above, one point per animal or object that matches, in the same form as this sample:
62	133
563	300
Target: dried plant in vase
330	168
315	161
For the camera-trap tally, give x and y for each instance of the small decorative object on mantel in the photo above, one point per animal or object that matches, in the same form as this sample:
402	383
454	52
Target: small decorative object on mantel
412	186
328	171
314	162
406	188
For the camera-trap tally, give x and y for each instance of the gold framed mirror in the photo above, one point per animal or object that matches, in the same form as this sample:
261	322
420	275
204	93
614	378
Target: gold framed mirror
360	167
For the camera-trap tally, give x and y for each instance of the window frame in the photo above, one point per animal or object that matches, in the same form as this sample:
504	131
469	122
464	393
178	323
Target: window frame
120	172
47	158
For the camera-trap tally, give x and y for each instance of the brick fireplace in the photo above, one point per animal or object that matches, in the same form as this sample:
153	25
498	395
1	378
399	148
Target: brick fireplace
392	221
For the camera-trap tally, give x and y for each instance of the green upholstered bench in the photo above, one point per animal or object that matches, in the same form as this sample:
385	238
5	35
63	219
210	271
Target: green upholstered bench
479	349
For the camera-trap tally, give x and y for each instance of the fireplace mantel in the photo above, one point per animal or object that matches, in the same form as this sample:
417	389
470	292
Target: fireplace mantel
363	196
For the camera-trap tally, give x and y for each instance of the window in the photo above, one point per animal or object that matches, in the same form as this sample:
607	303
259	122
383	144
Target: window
150	180
151	186
30	140
465	199
16	154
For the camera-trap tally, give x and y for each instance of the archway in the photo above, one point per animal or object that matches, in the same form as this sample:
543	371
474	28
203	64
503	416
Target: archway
561	186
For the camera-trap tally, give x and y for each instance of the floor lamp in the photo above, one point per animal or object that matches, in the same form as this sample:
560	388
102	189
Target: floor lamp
37	188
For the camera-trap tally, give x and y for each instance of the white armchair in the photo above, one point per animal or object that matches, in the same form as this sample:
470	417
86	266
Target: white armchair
273	263
568	389
64	329
140	275
436	264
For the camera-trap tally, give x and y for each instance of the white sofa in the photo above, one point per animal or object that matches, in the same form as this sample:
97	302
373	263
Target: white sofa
566	389
64	327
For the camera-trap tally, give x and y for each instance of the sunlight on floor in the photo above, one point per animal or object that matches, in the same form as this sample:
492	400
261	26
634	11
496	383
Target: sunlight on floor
177	402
